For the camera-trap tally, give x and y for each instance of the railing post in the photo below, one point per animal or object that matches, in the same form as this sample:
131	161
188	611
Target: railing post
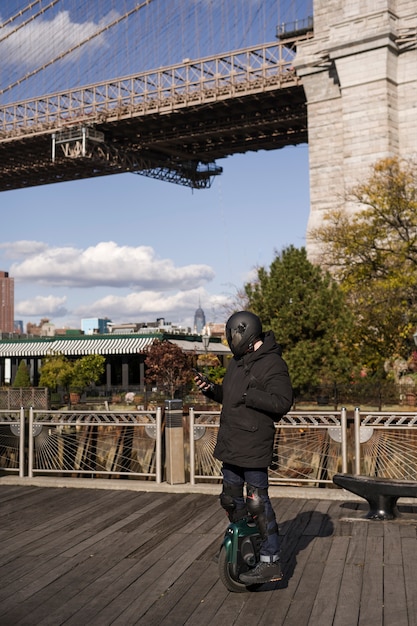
174	442
192	447
22	442
158	445
357	424
343	426
31	444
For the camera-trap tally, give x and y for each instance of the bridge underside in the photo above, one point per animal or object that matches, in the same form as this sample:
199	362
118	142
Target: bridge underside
180	146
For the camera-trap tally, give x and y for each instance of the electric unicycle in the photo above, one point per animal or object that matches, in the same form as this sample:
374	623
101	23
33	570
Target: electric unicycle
239	553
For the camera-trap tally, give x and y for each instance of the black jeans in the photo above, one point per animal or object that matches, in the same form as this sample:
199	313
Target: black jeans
258	477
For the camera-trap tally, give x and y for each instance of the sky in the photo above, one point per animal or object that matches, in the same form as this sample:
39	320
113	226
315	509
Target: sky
132	248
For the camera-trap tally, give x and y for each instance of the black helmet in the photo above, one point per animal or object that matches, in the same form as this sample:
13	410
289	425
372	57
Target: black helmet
242	329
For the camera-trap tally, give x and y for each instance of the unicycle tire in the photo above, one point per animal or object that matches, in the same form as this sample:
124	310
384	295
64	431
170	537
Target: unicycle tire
228	577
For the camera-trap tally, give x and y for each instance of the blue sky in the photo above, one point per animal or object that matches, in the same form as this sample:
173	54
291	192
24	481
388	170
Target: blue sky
133	249
128	247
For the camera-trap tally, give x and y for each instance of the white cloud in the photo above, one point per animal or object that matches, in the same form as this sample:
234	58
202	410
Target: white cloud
42	306
22	248
147	305
107	264
44	39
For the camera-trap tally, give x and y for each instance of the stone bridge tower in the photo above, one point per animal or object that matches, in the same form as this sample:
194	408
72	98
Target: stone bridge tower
360	78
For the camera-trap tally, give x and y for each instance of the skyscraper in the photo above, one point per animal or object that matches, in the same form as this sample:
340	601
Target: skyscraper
199	320
6	303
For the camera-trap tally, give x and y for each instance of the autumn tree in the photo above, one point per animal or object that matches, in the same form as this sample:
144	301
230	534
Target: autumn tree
306	309
167	366
373	255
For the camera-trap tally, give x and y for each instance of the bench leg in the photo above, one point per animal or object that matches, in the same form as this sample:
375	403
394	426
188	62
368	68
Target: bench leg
382	507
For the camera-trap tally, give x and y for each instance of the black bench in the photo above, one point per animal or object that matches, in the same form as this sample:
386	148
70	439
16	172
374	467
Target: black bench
381	493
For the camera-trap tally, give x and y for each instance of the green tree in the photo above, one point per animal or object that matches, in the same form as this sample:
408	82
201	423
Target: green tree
167	366
306	309
58	371
55	372
22	378
87	370
373	255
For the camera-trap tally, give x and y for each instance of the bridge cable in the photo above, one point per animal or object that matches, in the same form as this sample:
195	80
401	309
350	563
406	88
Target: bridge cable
20	13
78	45
12	32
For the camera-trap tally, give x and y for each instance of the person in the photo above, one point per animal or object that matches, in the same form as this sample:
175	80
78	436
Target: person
256	390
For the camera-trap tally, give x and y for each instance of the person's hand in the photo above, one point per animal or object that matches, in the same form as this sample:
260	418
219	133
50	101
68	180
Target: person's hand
202	381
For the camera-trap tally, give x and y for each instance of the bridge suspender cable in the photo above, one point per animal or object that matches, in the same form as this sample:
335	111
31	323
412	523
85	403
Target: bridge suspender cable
20	13
12	32
78	45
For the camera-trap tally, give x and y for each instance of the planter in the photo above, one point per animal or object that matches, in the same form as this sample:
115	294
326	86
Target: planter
410	399
74	397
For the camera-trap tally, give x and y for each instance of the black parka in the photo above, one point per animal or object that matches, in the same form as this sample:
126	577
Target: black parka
256	390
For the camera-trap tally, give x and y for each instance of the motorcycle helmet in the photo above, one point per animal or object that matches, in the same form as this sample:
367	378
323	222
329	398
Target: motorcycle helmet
242	329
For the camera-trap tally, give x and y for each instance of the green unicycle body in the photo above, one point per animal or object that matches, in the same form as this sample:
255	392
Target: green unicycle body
239	553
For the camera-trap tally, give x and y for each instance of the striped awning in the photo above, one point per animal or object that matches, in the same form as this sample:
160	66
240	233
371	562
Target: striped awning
75	346
198	348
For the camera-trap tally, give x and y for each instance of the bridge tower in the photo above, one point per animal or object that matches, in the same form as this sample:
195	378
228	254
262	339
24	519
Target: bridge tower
359	73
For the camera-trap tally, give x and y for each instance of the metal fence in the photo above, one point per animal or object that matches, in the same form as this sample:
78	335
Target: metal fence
386	444
310	447
94	444
12	441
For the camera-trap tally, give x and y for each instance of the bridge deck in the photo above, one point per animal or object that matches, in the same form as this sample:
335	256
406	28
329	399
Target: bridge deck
100	556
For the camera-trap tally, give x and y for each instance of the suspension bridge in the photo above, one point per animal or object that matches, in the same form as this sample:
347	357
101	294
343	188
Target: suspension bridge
167	89
172	122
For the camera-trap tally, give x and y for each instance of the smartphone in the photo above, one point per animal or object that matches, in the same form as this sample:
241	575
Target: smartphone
201	377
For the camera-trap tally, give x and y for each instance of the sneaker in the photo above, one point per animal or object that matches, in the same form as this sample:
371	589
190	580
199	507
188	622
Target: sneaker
262	573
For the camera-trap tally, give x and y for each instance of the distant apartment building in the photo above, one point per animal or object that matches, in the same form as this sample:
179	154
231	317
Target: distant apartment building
44	329
95	326
6	303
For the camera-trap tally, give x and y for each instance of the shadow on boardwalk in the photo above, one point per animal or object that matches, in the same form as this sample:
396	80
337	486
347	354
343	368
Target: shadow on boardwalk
99	556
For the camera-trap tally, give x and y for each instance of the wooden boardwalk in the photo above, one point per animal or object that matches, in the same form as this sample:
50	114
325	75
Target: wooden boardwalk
99	556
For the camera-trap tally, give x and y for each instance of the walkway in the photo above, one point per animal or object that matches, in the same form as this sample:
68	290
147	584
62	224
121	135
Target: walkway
79	556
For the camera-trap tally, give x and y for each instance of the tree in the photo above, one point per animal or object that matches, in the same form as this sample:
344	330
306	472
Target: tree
167	366
306	309
58	371
22	378
373	255
87	370
55	372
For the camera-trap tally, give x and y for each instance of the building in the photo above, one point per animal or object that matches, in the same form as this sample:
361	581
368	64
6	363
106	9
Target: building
199	321
6	303
95	326
125	354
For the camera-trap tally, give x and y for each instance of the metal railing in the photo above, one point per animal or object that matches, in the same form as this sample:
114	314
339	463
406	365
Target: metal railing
386	444
95	444
310	447
12	441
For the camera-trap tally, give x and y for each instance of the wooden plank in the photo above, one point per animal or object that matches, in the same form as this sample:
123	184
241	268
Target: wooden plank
395	604
103	557
372	595
303	598
277	608
325	601
409	552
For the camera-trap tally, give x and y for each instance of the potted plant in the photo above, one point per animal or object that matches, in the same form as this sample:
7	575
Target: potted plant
85	371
